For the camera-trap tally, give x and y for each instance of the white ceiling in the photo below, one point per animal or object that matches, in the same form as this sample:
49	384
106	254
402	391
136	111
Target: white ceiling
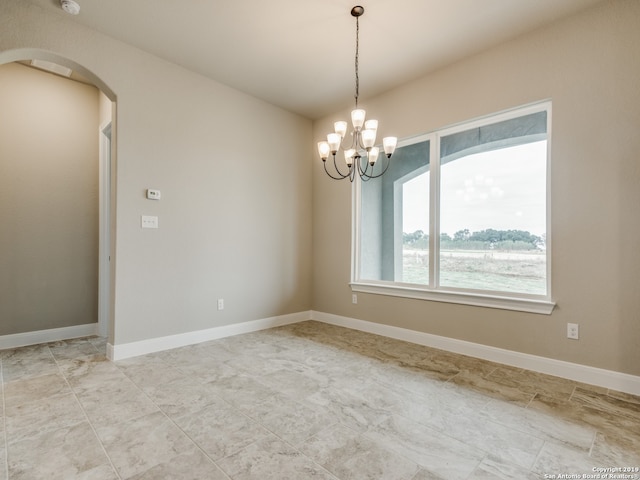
299	54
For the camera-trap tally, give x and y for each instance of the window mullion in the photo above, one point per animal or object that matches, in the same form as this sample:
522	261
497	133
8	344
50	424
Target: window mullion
434	212
356	227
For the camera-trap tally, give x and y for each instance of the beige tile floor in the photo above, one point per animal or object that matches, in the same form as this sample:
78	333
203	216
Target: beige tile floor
306	401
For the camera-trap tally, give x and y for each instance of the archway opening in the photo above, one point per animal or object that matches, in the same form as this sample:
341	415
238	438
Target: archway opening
104	139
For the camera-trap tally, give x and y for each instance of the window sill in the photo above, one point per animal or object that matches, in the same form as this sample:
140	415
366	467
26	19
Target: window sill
520	304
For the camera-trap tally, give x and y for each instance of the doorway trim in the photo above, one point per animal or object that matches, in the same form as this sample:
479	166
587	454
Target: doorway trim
104	242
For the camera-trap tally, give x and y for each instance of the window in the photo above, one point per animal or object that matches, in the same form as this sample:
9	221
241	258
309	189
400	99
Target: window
461	216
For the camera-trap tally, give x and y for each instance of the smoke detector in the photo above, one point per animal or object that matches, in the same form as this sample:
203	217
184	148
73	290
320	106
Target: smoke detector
70	7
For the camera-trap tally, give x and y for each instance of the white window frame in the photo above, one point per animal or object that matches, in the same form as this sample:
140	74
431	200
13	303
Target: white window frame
540	304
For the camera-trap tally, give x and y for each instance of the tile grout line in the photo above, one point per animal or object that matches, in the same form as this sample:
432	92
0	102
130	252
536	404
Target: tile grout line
84	412
535	460
240	412
478	465
304	405
336	422
315	435
390	414
533	397
572	393
595	430
593	443
171	419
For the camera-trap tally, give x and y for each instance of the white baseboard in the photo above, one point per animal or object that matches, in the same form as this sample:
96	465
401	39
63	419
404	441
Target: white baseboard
581	373
134	349
50	335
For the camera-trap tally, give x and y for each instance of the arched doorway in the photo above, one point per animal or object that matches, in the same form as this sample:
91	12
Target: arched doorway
106	211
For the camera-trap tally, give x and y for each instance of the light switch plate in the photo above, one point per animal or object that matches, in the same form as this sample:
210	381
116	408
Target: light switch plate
149	221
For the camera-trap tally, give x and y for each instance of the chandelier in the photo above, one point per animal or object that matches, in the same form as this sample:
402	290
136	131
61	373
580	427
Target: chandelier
361	155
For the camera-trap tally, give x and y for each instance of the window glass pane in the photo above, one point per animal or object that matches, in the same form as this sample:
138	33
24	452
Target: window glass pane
415	230
493	214
382	214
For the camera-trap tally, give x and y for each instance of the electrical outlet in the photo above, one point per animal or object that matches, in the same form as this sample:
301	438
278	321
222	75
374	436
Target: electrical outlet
573	331
221	304
354	298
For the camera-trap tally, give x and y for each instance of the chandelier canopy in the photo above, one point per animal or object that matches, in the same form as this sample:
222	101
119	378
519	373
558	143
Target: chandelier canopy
361	154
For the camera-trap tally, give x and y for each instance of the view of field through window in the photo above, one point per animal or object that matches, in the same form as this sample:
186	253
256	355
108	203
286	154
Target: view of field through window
492	222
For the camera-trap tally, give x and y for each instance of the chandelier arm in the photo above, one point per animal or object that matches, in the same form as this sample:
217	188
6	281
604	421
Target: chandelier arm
341	177
369	177
362	172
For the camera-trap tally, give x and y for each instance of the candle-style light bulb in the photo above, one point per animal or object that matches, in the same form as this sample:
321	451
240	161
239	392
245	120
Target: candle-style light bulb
368	138
348	156
334	140
340	128
324	150
389	144
373	155
357	119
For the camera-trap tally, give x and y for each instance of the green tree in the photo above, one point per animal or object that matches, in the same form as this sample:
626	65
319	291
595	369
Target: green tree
416	239
461	235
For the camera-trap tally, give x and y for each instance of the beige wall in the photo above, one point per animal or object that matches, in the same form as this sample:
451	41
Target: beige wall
589	66
234	173
48	201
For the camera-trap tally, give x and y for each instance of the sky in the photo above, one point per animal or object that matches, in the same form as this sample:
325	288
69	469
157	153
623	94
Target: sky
501	189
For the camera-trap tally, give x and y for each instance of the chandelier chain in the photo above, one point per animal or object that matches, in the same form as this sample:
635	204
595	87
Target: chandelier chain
357	55
361	156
